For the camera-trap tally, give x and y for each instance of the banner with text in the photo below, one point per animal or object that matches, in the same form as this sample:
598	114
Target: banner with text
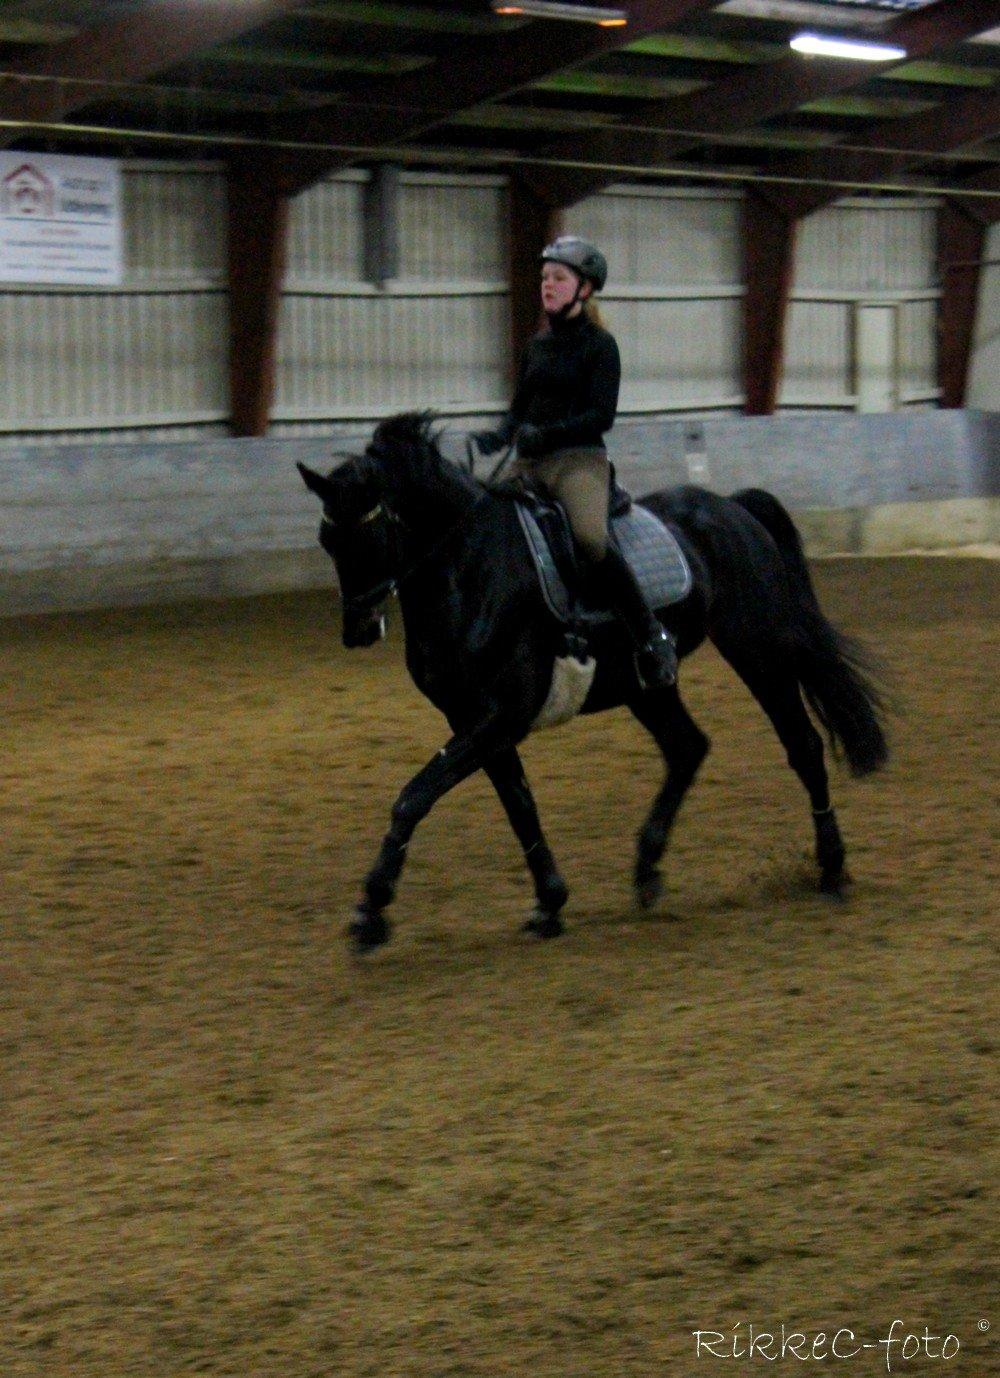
60	219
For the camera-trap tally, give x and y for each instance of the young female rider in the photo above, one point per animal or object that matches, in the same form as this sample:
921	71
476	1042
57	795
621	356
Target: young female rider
565	401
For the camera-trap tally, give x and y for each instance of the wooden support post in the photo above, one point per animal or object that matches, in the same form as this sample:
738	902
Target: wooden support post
768	256
961	249
533	224
258	226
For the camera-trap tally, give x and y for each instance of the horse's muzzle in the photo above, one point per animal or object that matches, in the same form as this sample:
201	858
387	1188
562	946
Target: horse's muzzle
363	629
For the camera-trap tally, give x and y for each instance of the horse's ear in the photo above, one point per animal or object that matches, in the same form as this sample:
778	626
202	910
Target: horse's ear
316	483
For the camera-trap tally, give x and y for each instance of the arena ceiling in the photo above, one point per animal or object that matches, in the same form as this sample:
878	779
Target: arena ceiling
686	89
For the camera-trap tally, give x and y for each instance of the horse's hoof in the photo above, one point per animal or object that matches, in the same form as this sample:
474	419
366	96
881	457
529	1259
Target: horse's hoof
833	881
832	887
368	930
648	890
542	925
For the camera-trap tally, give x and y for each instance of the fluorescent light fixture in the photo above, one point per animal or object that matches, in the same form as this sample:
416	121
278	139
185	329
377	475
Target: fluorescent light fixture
855	49
602	15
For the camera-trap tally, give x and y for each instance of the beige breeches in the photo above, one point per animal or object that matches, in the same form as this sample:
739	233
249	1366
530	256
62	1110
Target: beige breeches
579	480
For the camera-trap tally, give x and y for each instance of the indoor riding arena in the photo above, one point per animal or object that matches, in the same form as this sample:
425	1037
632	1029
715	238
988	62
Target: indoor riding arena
748	1128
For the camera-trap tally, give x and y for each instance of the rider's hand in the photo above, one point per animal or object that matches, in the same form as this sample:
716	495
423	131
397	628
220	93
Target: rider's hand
530	441
489	442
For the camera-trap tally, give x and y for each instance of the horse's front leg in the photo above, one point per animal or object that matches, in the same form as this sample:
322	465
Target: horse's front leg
461	757
508	779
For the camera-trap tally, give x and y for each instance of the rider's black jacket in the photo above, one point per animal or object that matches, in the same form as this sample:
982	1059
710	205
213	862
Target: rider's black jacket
567	385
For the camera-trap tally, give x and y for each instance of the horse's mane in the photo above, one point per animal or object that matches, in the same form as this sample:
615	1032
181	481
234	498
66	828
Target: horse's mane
409	443
407	429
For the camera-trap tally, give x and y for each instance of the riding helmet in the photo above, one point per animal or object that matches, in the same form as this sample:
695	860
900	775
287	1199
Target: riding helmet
580	255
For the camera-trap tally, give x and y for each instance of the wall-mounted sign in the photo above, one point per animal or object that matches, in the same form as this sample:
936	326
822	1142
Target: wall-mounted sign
60	219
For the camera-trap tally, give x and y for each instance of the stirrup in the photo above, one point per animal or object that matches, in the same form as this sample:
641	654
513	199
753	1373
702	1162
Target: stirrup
656	662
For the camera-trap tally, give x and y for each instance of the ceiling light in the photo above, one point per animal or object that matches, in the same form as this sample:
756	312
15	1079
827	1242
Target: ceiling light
819	45
602	15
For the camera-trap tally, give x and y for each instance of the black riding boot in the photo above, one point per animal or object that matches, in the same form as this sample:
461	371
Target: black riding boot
655	656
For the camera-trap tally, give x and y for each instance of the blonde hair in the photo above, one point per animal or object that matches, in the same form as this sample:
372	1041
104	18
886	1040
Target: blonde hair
591	310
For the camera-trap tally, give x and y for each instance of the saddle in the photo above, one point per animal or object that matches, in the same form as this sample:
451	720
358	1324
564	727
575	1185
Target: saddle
651	549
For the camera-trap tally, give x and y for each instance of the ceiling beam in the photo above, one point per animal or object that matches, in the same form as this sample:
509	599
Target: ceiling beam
986	210
774	88
475	70
755	94
151	39
959	121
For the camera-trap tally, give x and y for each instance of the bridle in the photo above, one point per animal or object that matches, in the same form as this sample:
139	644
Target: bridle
378	593
372	597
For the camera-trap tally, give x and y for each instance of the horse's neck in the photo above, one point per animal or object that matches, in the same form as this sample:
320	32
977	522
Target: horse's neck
444	491
436	515
441	552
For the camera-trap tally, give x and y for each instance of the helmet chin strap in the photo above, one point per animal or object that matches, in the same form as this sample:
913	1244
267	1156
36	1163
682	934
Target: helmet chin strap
564	311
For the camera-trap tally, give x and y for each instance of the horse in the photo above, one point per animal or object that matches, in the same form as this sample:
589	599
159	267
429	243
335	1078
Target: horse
481	643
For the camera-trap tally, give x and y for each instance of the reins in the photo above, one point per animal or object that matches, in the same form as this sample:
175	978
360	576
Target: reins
501	463
470	454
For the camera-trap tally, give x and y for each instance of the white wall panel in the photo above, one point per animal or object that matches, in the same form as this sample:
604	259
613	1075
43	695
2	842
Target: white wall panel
671	353
363	356
878	250
668	244
452	230
655	237
818	355
325	231
105	359
175	224
867	246
113	433
151	353
918	350
673	295
435	337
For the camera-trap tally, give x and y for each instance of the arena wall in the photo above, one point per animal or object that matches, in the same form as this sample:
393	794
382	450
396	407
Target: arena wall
112	525
675	298
147	360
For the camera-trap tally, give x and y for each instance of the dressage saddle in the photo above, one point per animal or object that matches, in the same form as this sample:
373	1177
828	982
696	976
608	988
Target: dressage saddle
650	548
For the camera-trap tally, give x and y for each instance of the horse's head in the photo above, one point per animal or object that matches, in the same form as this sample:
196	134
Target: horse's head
378	505
357	531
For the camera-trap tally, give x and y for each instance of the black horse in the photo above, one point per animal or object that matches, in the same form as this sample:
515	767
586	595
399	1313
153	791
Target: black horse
481	644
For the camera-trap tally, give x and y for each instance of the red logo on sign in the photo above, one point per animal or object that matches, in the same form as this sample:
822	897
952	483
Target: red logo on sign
27	191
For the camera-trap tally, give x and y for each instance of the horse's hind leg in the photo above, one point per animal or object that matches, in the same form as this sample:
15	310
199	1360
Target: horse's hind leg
684	747
507	776
781	700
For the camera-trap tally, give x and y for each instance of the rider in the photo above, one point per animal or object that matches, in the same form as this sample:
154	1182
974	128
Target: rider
565	400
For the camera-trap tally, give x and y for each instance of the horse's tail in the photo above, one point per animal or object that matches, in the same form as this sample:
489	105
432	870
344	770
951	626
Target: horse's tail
839	677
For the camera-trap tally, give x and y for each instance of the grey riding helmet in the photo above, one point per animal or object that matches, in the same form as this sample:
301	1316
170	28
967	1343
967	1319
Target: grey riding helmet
580	255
